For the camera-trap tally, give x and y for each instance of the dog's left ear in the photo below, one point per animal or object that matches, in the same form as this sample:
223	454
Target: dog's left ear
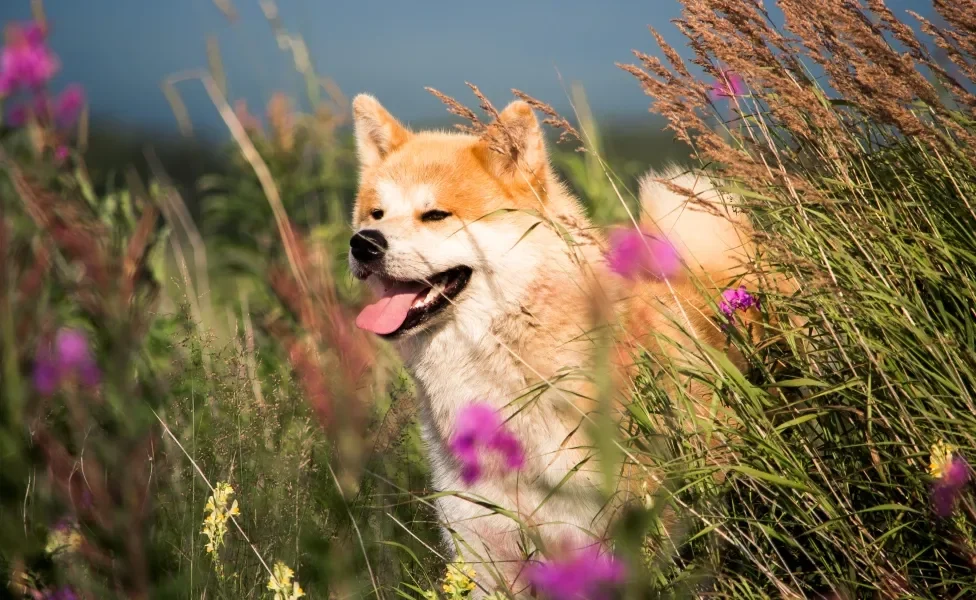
377	132
519	151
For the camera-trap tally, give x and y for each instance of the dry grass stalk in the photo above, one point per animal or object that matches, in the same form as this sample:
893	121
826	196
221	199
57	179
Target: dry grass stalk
250	122
281	118
117	504
553	118
456	108
133	261
495	134
854	137
74	231
328	344
882	84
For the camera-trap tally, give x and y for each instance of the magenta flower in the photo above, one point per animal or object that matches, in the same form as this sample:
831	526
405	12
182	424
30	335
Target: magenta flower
64	524
587	575
69	359
25	61
68	105
63	111
479	429
46	377
735	300
72	349
954	475
636	254
728	85
63	593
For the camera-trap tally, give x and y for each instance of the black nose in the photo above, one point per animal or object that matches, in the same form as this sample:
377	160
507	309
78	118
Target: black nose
368	245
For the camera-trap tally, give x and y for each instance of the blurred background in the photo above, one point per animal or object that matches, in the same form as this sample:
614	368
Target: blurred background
388	48
124	52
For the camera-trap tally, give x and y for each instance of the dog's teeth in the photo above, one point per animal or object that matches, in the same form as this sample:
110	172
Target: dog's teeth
437	286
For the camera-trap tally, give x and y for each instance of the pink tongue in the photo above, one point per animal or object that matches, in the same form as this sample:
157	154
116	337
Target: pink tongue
387	314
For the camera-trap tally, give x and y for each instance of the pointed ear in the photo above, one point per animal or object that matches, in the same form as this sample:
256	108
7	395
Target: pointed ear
377	132
526	149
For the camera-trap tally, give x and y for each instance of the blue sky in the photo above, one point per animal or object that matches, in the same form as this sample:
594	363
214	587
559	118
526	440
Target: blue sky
121	50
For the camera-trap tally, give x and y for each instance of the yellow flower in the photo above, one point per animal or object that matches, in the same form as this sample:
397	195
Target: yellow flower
458	580
282	585
215	523
941	458
63	539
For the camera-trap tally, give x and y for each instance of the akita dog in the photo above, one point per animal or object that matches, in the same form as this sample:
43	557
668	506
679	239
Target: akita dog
492	285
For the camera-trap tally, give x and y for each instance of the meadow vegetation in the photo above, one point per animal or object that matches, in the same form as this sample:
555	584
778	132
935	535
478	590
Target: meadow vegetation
188	410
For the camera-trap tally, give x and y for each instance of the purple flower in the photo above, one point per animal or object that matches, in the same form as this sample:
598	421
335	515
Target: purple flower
71	346
956	473
46	376
69	105
62	153
64	110
728	85
69	358
64	524
479	428
34	34
734	300
587	575
25	61
634	254
63	593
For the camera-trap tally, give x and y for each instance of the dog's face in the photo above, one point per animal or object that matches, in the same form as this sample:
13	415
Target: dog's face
438	218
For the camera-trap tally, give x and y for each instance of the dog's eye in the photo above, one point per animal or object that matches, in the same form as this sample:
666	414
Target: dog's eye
376	213
434	215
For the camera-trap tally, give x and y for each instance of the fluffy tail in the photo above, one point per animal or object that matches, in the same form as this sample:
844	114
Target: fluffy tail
709	232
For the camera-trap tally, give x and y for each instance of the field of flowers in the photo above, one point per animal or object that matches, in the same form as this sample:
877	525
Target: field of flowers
188	411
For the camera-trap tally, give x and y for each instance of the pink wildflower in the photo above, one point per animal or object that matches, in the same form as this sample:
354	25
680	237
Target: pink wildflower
46	376
25	61
587	575
728	85
952	473
34	34
479	428
69	105
62	112
635	254
734	300
68	359
63	593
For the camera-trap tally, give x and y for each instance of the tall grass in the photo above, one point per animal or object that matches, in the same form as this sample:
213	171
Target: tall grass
228	353
860	182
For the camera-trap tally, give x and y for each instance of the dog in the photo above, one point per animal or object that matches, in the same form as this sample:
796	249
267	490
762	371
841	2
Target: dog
492	285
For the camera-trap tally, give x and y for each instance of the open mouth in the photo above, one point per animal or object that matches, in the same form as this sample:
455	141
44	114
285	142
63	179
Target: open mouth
404	305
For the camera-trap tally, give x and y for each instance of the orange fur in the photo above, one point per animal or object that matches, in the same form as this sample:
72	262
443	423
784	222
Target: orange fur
531	311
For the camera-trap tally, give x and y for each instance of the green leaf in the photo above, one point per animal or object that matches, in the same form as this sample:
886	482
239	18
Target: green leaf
769	478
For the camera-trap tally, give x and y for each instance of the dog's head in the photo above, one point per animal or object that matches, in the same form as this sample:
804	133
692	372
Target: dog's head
440	218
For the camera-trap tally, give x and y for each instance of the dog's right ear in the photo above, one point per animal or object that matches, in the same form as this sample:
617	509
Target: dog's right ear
377	132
